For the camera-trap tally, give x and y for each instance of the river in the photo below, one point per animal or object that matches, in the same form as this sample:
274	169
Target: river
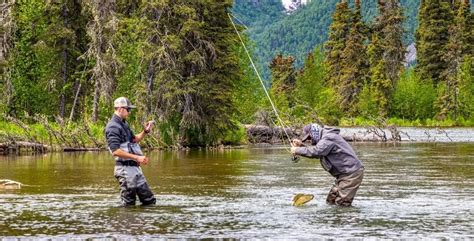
410	190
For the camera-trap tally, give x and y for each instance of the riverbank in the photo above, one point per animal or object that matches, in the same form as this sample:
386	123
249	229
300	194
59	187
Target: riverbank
18	138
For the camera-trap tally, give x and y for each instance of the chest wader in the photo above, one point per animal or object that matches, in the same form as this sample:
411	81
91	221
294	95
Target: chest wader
131	179
345	187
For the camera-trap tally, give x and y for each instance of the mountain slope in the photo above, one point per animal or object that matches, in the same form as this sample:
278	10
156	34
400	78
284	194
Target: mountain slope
274	32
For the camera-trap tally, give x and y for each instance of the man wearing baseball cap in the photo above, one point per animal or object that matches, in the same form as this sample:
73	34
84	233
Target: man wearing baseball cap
123	145
337	157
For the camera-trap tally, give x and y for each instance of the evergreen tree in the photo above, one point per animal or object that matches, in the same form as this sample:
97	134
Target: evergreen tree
336	43
354	64
314	98
283	82
457	52
6	42
65	36
435	17
386	52
33	62
102	27
194	69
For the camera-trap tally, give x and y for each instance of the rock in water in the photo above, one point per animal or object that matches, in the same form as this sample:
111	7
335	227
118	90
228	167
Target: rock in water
301	198
9	184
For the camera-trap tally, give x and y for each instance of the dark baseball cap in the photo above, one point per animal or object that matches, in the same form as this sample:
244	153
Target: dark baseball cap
306	132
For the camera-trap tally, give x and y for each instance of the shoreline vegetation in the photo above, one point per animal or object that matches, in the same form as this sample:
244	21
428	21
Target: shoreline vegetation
18	137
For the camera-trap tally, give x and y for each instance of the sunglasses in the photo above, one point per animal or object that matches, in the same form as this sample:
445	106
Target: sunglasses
128	109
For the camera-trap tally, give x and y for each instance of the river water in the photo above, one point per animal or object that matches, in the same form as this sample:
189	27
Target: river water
410	190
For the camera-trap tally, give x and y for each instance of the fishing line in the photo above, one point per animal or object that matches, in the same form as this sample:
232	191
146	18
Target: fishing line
261	81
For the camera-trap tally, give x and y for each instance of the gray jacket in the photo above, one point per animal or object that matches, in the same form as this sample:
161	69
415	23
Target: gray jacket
336	155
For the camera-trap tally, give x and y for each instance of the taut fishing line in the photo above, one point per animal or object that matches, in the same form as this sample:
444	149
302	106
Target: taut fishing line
261	81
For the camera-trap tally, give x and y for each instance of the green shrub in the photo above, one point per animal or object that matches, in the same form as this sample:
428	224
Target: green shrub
413	98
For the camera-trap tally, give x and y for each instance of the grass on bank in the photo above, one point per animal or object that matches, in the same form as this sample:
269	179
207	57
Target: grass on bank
89	135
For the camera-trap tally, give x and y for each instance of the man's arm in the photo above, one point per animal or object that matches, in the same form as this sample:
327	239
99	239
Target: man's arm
323	148
139	137
113	141
147	130
129	156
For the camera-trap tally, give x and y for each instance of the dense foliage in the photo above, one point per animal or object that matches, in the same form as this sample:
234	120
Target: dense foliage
178	60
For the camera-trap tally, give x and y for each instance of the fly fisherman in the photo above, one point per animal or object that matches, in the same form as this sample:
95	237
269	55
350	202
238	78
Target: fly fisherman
123	145
337	157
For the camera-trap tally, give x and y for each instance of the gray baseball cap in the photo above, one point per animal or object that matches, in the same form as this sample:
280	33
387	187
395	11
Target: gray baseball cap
123	102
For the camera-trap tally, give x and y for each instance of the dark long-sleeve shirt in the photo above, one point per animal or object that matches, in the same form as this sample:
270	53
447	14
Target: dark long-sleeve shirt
117	132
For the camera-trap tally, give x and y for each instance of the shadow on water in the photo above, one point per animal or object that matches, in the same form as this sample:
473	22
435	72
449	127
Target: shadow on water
409	191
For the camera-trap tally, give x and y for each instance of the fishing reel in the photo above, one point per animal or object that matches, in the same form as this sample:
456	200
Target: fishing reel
295	158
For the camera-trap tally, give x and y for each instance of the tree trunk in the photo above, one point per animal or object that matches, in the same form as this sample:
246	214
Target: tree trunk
149	86
6	30
71	115
95	107
64	68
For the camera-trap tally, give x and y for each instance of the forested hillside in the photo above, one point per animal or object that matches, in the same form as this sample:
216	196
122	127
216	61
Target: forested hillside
359	74
275	32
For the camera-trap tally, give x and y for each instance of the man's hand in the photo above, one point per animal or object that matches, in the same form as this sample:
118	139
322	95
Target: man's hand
142	160
293	149
148	126
296	143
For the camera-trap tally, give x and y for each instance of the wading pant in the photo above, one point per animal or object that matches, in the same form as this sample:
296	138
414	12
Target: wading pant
133	184
344	190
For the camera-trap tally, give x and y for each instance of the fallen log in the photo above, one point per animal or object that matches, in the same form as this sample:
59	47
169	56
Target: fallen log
276	135
267	134
74	149
22	146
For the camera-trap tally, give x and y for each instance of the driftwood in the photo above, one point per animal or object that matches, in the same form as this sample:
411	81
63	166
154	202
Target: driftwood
22	146
276	135
267	134
9	184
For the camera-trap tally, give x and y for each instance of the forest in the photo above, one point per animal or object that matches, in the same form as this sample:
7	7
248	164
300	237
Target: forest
63	62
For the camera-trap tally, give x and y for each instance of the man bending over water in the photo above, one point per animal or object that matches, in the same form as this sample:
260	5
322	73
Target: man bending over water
336	157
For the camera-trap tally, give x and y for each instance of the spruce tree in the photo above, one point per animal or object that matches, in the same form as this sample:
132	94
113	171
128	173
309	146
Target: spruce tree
283	81
65	37
336	43
457	51
354	64
194	69
101	51
386	52
435	17
6	42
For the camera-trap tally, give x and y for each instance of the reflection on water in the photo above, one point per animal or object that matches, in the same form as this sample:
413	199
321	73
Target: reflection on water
409	191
